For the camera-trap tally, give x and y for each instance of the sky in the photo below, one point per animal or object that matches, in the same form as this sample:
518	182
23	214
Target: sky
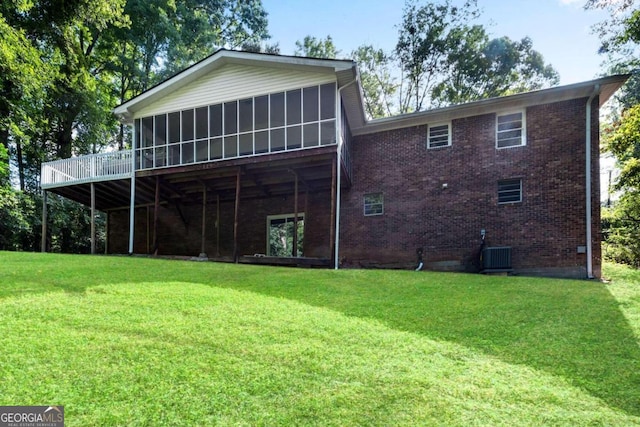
560	29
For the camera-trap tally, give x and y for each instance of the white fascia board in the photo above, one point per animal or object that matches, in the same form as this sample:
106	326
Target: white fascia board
519	101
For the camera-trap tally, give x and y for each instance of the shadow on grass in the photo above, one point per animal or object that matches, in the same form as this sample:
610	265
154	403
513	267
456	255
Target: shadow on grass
573	329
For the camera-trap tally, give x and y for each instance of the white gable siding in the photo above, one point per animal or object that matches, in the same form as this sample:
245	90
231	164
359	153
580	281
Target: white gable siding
232	82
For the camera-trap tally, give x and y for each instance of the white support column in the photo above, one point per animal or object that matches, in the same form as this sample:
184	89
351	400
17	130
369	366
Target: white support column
93	219
132	205
132	215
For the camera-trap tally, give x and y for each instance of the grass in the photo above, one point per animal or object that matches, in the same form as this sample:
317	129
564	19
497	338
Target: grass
137	341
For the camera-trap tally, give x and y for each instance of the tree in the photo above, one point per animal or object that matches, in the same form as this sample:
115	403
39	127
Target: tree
12	218
312	47
378	85
483	68
64	65
24	78
444	59
621	228
620	33
255	47
202	26
428	35
620	38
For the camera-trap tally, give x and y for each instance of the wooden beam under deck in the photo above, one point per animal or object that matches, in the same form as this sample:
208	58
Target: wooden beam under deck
262	177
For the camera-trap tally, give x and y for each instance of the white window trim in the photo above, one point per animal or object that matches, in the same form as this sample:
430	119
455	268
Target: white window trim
364	205
513	201
448	124
523	138
281	216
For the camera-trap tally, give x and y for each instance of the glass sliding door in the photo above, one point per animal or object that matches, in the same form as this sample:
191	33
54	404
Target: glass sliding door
280	235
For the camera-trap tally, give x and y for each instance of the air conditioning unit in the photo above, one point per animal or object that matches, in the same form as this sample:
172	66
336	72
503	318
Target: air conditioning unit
496	259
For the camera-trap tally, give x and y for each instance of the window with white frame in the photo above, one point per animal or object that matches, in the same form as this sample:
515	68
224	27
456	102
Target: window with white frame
510	129
510	191
439	135
373	204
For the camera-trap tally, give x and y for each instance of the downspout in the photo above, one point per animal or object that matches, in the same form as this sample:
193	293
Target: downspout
596	91
132	207
339	171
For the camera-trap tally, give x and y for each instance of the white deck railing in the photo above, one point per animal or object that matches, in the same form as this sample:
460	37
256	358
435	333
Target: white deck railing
89	168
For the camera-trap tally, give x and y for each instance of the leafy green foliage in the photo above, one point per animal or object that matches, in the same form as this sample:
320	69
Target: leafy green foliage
620	32
312	47
182	343
201	26
70	227
444	59
621	223
64	65
281	239
621	229
428	33
483	68
620	37
623	140
378	85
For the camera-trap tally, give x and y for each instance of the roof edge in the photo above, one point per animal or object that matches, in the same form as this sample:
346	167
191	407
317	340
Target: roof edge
607	87
218	58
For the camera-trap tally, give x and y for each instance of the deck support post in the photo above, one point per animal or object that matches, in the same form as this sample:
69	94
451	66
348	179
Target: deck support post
332	228
306	214
235	218
295	216
203	254
93	219
148	230
106	232
217	225
43	243
156	208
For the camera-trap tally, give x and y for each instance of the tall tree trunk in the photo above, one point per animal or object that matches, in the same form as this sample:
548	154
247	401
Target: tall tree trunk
4	135
64	137
121	137
20	163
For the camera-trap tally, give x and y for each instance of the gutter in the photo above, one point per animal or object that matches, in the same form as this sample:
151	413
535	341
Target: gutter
596	91
339	171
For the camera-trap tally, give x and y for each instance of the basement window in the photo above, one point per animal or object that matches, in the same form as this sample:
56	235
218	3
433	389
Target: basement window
509	191
510	130
373	204
439	136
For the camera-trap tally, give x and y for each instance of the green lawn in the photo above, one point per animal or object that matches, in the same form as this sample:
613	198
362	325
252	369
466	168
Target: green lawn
138	341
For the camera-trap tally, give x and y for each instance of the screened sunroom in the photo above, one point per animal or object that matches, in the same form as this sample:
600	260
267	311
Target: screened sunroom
258	136
268	123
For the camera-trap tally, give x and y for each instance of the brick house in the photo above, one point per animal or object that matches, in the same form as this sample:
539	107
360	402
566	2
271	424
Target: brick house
260	158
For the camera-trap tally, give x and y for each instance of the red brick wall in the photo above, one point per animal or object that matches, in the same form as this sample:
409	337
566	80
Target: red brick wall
544	230
182	236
